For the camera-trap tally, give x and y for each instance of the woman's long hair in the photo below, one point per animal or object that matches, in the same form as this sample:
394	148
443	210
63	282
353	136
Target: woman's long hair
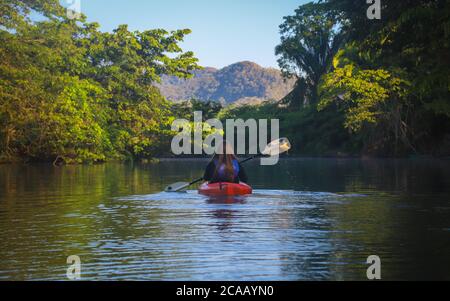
225	156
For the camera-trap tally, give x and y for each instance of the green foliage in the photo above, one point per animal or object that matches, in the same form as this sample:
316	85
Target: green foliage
185	109
317	133
311	132
266	110
411	35
72	93
69	92
309	40
389	81
363	94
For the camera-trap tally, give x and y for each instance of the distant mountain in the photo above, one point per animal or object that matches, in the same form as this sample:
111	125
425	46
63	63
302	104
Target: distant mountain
239	81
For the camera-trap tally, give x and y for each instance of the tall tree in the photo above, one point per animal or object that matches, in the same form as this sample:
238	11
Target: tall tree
411	34
309	40
409	44
127	64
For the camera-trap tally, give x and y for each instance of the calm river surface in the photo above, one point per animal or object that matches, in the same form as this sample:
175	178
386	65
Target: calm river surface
308	219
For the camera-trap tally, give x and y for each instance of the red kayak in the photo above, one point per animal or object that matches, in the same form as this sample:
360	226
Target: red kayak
224	189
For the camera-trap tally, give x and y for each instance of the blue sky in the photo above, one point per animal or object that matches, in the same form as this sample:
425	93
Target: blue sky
223	32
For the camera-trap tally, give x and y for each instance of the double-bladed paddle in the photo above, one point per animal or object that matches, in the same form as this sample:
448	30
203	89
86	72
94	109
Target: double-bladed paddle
274	148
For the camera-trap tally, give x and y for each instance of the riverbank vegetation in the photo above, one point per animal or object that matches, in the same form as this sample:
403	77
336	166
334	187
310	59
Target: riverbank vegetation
367	86
70	93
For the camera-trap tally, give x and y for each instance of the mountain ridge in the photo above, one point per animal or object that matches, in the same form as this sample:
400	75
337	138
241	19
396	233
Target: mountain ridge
236	82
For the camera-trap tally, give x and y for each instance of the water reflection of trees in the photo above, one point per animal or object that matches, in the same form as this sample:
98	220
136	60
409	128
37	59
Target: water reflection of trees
353	175
48	213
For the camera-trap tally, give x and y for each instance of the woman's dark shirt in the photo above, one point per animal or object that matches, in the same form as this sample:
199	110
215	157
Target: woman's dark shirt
213	177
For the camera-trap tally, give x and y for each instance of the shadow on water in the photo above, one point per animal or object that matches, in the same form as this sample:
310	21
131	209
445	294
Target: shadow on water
307	219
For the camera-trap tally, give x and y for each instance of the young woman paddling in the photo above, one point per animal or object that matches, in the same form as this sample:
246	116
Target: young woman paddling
224	167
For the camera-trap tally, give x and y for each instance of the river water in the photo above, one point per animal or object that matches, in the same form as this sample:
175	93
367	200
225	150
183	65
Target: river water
308	219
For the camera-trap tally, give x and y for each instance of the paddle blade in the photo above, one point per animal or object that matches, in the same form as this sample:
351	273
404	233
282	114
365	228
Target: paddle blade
176	186
277	147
